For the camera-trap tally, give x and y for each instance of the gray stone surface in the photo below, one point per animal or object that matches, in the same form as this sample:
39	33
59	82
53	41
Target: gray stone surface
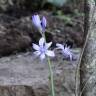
22	71
88	63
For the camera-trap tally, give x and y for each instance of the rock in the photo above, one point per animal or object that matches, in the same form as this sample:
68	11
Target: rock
12	39
24	75
88	62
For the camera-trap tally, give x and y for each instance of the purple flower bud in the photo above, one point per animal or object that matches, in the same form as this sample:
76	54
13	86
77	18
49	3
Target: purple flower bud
39	24
36	21
43	23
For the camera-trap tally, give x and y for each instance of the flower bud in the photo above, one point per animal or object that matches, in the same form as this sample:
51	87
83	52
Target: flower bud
36	21
43	23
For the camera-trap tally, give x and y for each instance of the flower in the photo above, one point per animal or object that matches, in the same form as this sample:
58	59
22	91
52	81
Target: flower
43	23
36	21
65	50
42	49
39	24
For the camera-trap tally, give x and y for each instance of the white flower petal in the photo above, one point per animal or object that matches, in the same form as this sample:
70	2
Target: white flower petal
42	56
36	47
50	53
48	45
37	53
60	46
41	41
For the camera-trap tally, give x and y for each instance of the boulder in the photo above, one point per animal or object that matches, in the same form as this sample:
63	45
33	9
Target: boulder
88	62
24	74
12	39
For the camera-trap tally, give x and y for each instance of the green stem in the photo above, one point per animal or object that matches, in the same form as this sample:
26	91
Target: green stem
51	77
50	73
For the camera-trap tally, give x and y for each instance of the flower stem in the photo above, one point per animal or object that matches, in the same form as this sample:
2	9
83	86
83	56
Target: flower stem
50	73
51	77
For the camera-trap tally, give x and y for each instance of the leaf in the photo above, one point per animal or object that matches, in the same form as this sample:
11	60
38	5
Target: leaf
59	3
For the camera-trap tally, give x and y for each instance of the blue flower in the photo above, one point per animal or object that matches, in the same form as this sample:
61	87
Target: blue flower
36	21
39	24
42	49
43	23
65	51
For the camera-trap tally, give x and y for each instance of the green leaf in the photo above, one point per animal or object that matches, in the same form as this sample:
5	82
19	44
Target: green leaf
58	3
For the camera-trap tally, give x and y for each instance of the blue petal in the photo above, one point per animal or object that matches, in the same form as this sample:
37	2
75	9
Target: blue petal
36	47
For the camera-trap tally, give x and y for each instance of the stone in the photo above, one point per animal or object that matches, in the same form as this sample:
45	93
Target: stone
12	39
88	62
24	75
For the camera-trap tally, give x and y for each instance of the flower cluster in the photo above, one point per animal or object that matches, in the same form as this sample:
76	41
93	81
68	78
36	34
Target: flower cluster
42	48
